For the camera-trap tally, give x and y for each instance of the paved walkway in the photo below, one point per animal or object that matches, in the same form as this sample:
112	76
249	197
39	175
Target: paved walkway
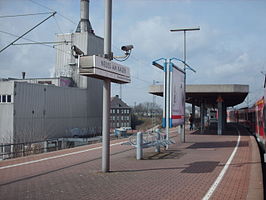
184	171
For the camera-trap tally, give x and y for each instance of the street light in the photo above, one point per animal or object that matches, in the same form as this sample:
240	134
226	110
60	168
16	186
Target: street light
184	62
156	64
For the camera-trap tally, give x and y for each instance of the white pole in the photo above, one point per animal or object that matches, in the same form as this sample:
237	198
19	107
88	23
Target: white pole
106	89
164	94
167	100
139	154
106	127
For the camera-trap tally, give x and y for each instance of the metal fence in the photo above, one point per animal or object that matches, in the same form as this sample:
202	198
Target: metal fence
8	151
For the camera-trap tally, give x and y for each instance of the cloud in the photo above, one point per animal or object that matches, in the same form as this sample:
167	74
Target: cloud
220	52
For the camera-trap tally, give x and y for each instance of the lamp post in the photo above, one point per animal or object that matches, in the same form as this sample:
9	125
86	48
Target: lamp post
184	30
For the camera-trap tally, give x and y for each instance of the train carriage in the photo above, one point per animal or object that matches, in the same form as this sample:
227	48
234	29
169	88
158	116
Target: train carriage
254	118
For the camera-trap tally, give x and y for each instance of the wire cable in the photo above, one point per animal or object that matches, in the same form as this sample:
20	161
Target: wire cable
26	32
59	28
40	43
68	19
24	15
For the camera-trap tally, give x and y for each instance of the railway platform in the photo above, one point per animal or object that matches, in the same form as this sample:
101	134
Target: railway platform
206	166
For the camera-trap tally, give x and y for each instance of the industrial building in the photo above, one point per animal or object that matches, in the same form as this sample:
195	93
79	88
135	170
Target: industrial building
38	109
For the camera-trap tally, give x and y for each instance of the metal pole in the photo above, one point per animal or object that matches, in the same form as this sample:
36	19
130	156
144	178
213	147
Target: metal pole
139	149
120	92
158	140
108	29
184	30
153	109
106	89
202	107
167	100
183	139
220	116
106	127
164	94
193	115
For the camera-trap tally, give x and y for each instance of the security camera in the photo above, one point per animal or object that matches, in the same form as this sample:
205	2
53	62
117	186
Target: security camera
127	48
77	51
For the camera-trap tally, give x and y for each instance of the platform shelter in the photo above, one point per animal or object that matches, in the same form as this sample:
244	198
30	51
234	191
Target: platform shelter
218	97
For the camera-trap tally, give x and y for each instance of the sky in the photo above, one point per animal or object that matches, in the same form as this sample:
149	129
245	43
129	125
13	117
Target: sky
229	48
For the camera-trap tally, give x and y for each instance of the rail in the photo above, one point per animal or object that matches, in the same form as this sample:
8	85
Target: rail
146	140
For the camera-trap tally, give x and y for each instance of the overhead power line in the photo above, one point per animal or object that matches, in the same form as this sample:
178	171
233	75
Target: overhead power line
35	42
70	20
27	32
24	15
30	43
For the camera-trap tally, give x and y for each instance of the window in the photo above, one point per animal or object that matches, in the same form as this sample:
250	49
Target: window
121	117
8	98
122	111
118	111
3	98
117	124
0	98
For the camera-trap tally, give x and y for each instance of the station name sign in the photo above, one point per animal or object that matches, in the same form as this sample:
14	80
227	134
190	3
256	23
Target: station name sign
101	68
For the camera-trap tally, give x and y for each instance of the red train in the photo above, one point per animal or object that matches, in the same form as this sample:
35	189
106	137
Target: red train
254	118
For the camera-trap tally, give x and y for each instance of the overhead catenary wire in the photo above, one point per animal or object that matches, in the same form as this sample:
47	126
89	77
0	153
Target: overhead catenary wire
40	43
27	32
59	28
53	11
25	15
32	43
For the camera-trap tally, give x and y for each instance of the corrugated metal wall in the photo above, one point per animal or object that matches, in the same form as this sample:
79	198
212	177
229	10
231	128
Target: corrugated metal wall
44	111
90	45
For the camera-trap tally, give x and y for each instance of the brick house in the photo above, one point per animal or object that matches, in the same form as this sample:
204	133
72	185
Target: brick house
120	113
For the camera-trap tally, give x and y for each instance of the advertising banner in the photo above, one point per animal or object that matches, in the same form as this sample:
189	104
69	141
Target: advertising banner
177	97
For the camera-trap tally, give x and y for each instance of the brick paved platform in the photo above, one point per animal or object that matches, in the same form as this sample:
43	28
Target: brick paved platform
184	171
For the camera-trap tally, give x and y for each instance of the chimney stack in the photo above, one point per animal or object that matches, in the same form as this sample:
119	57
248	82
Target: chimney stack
23	75
84	24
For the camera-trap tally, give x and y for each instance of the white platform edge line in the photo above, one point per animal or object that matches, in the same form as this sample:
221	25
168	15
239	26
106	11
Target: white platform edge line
222	173
54	157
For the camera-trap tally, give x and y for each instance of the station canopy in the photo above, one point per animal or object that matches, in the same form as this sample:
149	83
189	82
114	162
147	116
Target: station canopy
230	94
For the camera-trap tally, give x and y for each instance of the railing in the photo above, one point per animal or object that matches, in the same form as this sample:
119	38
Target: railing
8	151
146	140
